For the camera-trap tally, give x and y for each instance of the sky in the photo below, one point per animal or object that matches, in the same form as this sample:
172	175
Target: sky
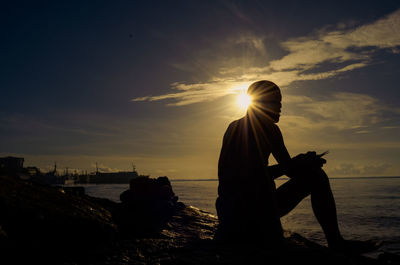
154	83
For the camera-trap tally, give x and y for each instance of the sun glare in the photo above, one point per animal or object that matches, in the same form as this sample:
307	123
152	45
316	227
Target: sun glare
243	100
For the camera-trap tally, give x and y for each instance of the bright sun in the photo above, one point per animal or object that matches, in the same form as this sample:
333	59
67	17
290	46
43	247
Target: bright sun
243	100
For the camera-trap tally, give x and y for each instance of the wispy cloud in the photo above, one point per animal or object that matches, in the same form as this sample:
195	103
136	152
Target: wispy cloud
344	110
193	93
354	112
322	55
255	42
350	169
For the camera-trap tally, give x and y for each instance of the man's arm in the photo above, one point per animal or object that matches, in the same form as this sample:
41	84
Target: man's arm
287	165
276	171
279	151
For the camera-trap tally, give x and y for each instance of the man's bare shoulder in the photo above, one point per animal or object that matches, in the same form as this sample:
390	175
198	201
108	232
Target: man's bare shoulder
233	128
235	124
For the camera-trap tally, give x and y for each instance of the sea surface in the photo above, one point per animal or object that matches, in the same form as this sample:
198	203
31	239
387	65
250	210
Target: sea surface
368	208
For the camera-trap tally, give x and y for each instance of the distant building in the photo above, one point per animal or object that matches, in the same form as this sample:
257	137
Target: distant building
11	164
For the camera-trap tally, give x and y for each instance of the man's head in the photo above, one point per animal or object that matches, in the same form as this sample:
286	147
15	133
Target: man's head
266	99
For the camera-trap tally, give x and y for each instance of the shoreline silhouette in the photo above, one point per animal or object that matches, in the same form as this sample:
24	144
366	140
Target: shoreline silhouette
186	240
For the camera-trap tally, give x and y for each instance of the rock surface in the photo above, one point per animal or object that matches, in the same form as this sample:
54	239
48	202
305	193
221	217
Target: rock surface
146	207
47	225
47	221
188	239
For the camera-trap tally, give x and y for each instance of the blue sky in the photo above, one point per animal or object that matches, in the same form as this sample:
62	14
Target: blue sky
155	83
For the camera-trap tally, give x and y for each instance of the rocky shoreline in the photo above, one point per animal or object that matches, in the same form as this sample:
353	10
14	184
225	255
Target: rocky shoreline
44	224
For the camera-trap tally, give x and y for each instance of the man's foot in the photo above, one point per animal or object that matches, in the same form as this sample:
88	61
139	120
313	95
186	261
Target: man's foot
356	246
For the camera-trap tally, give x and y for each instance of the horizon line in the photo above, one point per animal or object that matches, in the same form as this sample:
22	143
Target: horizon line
360	177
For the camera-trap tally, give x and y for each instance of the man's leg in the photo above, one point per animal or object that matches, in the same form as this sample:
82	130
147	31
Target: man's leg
316	183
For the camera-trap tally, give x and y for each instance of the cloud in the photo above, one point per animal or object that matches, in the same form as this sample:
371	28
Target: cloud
350	169
341	110
237	11
321	55
193	93
256	43
344	110
341	45
338	112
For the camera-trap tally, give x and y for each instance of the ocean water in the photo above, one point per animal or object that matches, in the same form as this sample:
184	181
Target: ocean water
368	208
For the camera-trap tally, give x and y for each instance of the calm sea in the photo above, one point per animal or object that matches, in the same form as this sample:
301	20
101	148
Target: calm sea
368	208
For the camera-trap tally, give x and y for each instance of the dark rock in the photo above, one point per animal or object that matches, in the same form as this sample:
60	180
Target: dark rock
146	207
148	189
36	218
188	239
80	191
389	258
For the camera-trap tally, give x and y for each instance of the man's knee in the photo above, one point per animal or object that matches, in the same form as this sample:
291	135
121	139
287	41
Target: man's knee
312	178
318	178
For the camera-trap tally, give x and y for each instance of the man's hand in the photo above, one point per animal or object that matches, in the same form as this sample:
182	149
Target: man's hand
310	159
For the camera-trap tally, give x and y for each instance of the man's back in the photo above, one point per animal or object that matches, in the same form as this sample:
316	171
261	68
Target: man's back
240	159
246	192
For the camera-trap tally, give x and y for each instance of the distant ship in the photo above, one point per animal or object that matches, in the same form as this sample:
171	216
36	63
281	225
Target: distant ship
121	177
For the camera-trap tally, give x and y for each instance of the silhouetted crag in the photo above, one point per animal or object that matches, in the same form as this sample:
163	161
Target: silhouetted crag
47	225
146	207
188	239
38	220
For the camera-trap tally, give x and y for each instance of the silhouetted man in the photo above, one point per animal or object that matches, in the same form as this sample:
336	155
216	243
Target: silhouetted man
249	206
